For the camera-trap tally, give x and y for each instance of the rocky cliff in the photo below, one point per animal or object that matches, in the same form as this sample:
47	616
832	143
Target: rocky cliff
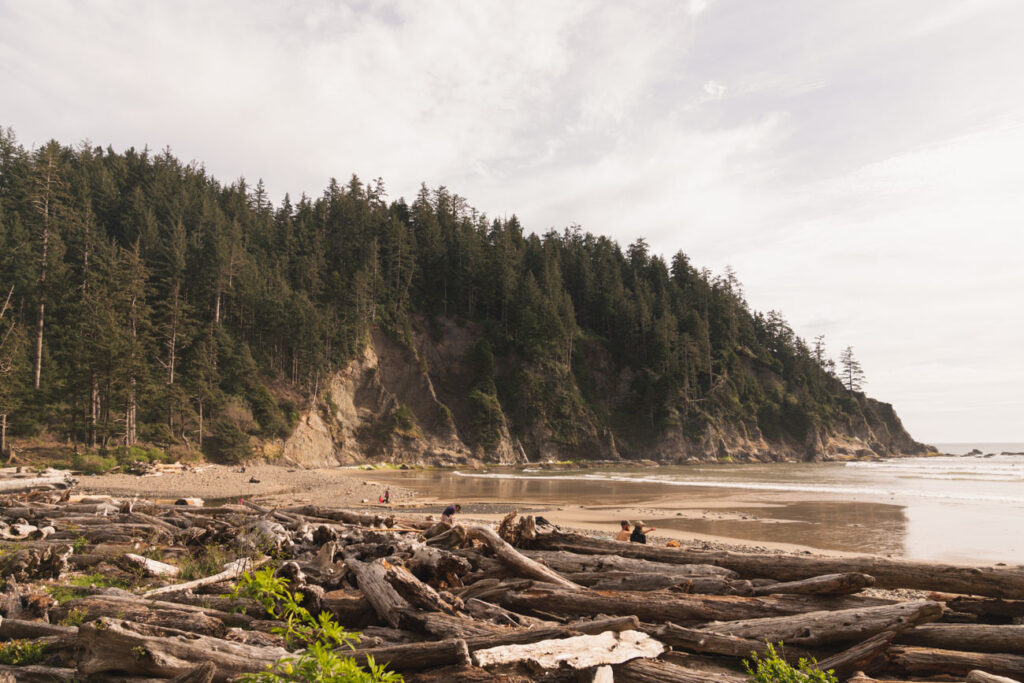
410	398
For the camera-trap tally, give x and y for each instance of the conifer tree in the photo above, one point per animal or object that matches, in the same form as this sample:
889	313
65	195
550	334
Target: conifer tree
852	375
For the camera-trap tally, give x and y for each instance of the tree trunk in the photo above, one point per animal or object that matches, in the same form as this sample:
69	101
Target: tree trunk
829	584
925	660
3	435
415	656
372	579
515	560
888	573
676	607
865	656
571	563
629	581
576	652
973	637
136	649
657	671
696	640
978	676
821	628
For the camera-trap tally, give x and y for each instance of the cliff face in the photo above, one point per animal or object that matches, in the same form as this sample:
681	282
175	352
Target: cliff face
416	399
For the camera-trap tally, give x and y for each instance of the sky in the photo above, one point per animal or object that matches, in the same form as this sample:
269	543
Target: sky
860	165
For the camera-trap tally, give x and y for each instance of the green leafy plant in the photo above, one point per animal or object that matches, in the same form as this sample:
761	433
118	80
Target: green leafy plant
210	561
80	544
322	636
75	617
22	652
774	669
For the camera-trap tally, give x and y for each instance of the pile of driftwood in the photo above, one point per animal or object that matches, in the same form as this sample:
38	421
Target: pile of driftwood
525	602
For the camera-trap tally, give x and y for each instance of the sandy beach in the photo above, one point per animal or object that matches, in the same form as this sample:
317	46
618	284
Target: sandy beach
355	488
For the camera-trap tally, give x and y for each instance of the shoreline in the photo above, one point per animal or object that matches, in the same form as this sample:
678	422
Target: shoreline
695	520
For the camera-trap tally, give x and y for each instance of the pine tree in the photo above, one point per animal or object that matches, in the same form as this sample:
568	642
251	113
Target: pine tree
852	375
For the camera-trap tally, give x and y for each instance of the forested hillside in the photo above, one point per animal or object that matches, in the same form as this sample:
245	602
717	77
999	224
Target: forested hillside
147	302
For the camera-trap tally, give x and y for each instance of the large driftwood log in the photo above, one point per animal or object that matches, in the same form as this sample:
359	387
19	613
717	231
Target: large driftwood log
986	607
11	629
229	618
50	479
180	618
865	656
532	635
115	645
37	673
516	560
926	660
372	579
695	640
630	581
231	571
576	652
821	628
888	572
416	656
829	584
676	607
977	676
657	671
151	567
572	563
971	637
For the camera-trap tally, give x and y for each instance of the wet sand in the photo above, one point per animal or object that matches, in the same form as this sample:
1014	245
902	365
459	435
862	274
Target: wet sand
713	516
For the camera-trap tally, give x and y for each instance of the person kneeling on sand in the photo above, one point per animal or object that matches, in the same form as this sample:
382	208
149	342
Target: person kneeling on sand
639	534
623	534
449	512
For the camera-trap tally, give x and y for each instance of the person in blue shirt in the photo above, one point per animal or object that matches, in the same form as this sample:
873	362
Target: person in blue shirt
449	512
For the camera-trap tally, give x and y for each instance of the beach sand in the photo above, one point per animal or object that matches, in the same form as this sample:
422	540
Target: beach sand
354	488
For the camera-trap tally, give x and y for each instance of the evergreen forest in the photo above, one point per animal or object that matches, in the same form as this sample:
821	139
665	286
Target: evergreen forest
144	302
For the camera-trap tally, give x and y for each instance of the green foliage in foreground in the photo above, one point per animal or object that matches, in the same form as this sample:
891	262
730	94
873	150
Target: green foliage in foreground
21	652
321	635
774	669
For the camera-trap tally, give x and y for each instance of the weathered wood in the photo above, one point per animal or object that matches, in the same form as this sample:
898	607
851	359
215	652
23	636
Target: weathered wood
864	656
36	673
516	560
416	656
11	629
925	660
987	607
888	572
695	640
978	676
829	584
657	671
372	579
532	635
203	673
51	479
116	645
972	637
179	618
659	607
28	564
630	581
151	567
576	652
415	591
350	608
130	602
231	570
821	628
573	563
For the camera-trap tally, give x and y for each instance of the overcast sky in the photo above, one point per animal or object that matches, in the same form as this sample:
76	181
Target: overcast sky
859	164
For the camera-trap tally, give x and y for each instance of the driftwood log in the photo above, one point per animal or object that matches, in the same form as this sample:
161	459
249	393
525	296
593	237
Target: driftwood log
889	573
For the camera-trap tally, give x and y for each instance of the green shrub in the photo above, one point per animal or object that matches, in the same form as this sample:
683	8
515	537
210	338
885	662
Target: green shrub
210	561
22	652
773	669
93	463
320	636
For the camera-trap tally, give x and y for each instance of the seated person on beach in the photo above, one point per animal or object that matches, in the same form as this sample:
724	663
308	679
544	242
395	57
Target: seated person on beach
623	534
449	512
639	534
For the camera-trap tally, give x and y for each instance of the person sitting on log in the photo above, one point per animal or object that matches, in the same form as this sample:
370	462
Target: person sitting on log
449	512
639	534
623	534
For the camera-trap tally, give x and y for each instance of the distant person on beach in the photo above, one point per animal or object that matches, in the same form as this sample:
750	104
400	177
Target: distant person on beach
449	512
639	534
623	534
387	495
